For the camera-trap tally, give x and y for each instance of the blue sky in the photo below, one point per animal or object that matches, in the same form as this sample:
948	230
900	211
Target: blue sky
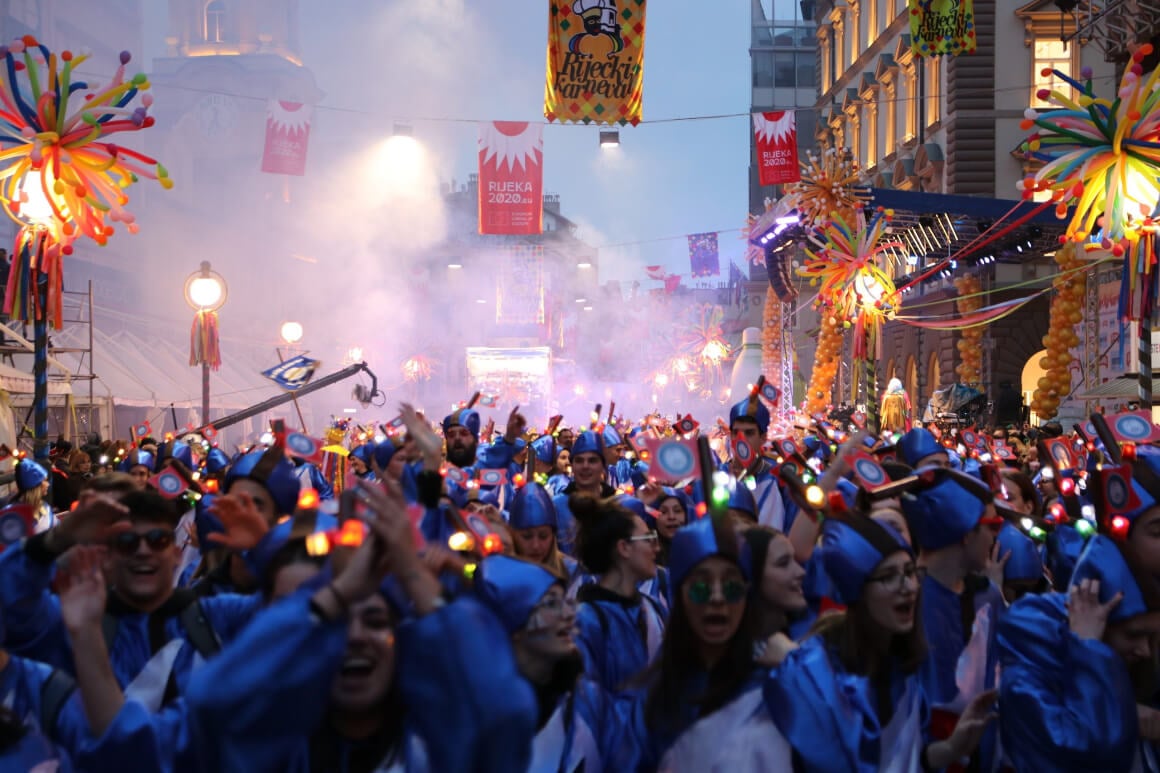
471	59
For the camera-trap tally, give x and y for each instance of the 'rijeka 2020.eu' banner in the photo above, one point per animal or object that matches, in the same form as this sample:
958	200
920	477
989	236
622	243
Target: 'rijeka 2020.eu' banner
511	177
595	61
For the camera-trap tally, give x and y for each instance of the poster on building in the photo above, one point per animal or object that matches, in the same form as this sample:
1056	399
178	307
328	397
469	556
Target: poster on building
777	153
511	178
595	70
942	27
287	136
704	259
519	286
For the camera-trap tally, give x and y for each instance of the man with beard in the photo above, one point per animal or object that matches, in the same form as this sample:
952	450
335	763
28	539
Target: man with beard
588	471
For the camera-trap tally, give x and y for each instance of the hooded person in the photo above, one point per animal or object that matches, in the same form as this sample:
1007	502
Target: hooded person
533	522
32	485
1023	568
588	476
657	587
953	522
361	461
139	464
920	448
269	478
1071	665
580	726
750	419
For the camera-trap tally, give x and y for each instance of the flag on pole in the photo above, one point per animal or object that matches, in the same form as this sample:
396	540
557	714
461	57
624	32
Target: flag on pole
294	373
703	256
777	153
287	136
511	177
655	272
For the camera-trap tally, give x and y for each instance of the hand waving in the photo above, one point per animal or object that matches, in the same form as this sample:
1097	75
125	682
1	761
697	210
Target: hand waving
81	585
96	519
973	722
245	526
1086	616
516	425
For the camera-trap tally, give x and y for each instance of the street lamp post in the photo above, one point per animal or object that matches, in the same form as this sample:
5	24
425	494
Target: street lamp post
292	333
205	292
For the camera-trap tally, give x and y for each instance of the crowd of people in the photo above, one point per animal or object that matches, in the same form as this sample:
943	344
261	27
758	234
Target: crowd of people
451	597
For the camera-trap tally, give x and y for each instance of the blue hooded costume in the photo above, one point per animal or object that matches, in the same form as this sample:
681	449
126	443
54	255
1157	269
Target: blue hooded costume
588	442
771	510
532	507
828	715
580	726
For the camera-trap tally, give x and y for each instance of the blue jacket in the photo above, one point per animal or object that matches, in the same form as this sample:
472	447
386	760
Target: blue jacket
618	637
1067	703
587	728
33	625
54	737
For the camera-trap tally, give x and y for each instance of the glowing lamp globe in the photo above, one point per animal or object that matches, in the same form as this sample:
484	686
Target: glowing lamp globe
291	332
205	290
35	207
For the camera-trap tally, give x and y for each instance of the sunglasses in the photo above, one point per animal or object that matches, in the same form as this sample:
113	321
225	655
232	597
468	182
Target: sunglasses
700	592
650	537
128	542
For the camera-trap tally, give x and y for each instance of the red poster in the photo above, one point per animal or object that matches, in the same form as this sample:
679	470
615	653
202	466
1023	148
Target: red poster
287	135
777	155
511	178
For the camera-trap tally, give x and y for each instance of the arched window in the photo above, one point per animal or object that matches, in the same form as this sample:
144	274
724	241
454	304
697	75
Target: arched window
215	21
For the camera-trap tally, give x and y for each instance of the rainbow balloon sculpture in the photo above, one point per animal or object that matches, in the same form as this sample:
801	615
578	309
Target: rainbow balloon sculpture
60	177
829	186
1103	155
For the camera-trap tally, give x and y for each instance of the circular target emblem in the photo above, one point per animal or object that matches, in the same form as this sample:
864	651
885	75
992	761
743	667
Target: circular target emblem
1134	428
170	484
788	447
491	477
742	450
12	528
793	467
478	525
870	471
1118	493
970	439
298	443
676	459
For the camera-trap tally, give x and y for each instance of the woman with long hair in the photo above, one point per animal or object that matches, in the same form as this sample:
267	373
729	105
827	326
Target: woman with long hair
32	484
702	707
854	681
620	628
533	521
776	593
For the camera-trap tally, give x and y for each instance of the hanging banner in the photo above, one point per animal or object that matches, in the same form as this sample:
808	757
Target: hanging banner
511	178
704	259
287	135
777	153
519	287
595	61
942	27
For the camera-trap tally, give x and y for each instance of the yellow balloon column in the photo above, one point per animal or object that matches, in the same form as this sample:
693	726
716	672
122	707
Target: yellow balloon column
970	343
826	360
771	325
1066	315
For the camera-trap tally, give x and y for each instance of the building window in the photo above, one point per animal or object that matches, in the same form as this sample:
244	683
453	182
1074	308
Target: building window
870	151
783	69
827	65
762	69
933	65
838	57
910	103
215	21
806	74
871	21
855	26
1054	54
889	102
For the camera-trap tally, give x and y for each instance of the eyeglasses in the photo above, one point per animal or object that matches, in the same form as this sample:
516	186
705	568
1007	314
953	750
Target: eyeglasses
128	542
894	580
555	605
650	537
701	591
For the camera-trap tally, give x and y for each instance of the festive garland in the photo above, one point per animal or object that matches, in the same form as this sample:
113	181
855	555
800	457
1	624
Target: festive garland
826	360
1066	314
828	186
771	325
970	343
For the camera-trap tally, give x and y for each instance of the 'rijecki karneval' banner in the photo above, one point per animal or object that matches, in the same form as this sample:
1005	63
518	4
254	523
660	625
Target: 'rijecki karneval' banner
595	61
511	177
287	137
777	152
942	27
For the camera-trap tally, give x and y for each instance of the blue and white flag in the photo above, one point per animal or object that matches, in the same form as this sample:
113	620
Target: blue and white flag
294	373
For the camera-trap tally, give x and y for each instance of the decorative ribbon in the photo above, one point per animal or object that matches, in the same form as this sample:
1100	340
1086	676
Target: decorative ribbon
984	316
35	252
204	342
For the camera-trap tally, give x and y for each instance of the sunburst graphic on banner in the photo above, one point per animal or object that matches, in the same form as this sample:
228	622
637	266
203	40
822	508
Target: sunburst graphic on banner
511	143
776	129
289	117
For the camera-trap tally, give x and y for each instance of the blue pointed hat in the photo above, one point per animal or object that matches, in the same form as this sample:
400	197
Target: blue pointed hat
468	418
639	474
589	442
174	449
511	588
741	498
364	453
1025	562
384	452
850	551
1101	560
1150	456
611	437
272	469
917	444
531	507
1064	547
680	496
29	474
216	460
544	447
750	408
940	515
206	523
258	558
136	458
694	543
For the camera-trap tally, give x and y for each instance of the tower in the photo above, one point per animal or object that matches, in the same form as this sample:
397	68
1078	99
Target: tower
234	28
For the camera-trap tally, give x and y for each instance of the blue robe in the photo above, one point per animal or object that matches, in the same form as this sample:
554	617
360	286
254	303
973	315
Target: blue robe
257	706
21	685
1067	704
557	483
33	625
311	477
618	637
830	717
587	728
659	588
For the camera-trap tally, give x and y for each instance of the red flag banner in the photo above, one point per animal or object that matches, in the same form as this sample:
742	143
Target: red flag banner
287	135
595	61
777	153
655	272
511	178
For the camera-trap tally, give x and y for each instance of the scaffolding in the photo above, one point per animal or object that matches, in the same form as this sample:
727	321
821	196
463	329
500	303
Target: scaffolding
72	415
